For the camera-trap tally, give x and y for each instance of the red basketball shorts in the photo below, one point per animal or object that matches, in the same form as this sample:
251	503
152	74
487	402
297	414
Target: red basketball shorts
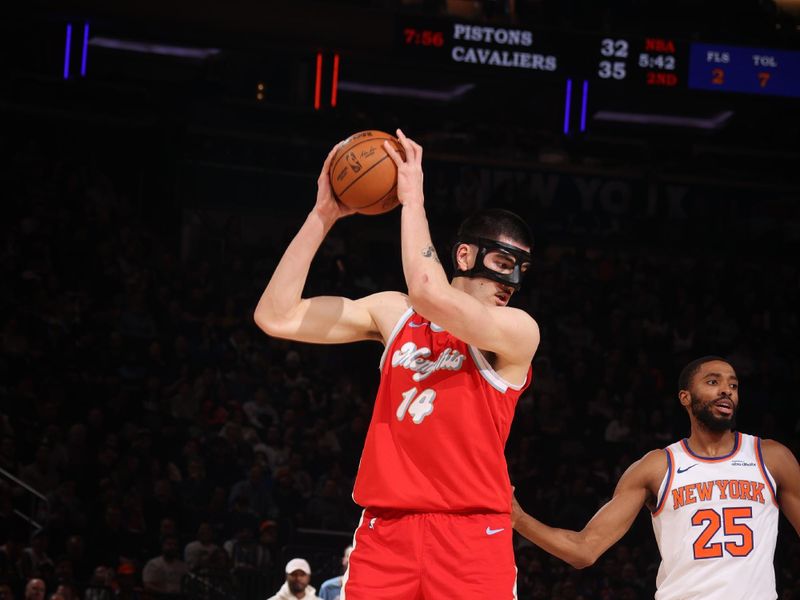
431	556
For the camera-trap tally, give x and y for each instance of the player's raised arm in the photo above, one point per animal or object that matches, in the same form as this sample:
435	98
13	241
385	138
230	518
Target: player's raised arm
480	317
282	312
582	548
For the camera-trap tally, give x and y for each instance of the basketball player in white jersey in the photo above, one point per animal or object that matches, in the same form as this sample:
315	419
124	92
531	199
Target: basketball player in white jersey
714	500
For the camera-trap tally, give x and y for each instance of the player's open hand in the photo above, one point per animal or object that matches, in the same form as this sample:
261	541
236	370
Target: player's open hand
409	169
327	206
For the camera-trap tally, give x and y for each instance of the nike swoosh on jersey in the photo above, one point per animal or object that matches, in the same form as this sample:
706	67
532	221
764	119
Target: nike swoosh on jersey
416	325
490	531
680	470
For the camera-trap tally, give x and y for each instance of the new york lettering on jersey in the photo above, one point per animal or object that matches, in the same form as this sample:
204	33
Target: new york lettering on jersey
441	419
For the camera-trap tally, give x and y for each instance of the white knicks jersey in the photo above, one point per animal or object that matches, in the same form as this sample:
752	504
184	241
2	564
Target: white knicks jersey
716	523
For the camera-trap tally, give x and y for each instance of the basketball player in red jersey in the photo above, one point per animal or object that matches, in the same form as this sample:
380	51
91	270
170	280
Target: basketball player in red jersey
714	500
433	479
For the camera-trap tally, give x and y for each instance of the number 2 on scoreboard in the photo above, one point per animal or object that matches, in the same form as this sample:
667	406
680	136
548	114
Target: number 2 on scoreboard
717	76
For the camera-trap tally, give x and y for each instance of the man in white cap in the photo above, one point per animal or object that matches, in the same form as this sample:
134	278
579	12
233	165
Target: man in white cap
298	575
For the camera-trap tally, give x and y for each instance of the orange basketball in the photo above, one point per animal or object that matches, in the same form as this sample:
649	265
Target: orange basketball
363	175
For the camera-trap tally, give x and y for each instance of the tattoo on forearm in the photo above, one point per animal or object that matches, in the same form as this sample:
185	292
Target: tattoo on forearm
430	252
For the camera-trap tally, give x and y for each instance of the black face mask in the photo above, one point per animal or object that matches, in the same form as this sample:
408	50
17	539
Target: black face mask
491	252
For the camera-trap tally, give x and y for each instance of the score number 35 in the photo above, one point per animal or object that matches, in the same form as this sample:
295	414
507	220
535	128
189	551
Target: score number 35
610	48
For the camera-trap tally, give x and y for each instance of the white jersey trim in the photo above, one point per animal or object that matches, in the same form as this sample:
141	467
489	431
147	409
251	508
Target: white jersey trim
490	375
398	326
346	575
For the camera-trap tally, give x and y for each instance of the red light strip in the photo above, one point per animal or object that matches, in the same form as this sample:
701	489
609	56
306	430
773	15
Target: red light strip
318	85
335	84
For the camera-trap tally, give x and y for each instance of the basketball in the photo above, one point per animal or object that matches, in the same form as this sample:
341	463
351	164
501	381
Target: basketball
363	175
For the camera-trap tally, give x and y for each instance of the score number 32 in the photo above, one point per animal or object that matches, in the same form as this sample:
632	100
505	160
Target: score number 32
610	48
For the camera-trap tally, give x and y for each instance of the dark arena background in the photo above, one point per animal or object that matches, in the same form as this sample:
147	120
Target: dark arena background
157	157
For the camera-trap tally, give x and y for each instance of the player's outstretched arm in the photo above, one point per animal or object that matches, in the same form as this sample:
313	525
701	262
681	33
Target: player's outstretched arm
786	471
509	333
282	312
582	548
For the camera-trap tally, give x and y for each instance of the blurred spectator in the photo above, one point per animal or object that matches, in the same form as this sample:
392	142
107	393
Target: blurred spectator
35	589
110	539
240	517
101	584
197	552
259	411
195	490
76	553
128	587
268	541
10	555
40	474
331	589
6	593
35	561
245	552
66	591
163	574
328	508
253	493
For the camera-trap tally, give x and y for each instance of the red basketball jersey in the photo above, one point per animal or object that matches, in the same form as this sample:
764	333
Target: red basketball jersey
439	426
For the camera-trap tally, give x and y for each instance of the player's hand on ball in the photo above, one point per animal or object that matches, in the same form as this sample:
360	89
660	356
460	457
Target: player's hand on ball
409	170
327	206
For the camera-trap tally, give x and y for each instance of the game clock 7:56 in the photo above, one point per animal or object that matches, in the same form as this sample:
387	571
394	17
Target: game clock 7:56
423	37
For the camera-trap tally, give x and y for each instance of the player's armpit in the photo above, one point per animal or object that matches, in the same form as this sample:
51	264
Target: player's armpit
336	320
783	466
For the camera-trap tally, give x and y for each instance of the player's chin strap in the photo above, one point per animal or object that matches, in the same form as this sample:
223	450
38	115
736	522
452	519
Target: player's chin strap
485	246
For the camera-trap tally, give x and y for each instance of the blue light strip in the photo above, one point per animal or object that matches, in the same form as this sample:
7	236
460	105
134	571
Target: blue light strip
583	104
567	106
66	50
85	48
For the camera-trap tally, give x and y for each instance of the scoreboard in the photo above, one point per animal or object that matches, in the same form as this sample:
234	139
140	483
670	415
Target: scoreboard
643	61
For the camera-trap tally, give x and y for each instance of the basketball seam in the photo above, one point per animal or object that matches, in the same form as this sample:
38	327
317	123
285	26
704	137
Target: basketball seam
352	183
382	198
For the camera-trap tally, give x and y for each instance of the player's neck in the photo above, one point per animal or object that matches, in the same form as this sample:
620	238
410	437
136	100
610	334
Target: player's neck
459	283
706	442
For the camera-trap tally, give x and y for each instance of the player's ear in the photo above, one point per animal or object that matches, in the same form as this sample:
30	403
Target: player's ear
685	398
465	256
